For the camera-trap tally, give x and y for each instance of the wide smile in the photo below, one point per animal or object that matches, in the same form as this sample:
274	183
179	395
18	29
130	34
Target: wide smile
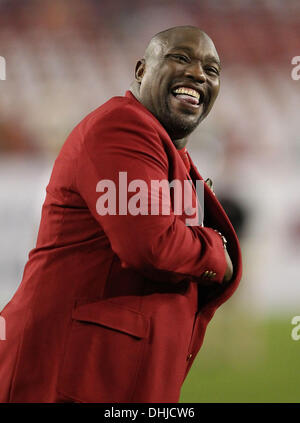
189	98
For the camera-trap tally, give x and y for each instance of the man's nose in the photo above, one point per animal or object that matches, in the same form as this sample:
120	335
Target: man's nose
196	72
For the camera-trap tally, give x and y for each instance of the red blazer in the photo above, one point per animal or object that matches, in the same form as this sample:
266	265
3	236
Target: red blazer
113	308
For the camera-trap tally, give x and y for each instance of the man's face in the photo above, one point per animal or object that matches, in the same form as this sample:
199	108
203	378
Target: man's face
180	81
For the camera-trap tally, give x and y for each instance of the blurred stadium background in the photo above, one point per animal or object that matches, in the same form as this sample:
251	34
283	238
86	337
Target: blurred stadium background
65	58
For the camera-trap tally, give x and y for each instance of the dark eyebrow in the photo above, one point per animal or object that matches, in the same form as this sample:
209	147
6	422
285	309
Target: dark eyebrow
209	57
187	49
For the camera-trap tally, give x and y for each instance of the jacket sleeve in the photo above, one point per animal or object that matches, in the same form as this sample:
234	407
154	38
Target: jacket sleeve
160	246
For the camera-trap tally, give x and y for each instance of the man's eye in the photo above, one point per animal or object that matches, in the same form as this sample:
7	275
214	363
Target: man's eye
181	58
213	70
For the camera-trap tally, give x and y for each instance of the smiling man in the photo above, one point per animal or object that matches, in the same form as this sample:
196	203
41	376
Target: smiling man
113	307
178	79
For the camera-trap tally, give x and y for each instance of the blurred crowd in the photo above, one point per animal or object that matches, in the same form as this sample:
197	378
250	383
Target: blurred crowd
64	58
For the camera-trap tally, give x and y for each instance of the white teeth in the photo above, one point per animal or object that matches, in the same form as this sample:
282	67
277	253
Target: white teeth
188	91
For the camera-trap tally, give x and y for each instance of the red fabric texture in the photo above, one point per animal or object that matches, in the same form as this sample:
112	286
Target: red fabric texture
185	158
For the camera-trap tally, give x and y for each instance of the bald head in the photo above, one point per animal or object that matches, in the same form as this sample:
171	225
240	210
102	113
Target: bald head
177	80
160	41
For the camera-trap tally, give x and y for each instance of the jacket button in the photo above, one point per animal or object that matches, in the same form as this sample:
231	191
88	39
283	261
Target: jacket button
209	274
189	356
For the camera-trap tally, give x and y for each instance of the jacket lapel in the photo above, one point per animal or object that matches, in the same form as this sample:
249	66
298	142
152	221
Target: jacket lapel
216	218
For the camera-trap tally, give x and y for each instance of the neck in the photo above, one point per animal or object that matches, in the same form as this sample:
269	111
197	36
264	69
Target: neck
135	90
178	143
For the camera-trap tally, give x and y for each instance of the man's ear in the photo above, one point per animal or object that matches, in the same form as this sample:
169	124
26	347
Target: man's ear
140	70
